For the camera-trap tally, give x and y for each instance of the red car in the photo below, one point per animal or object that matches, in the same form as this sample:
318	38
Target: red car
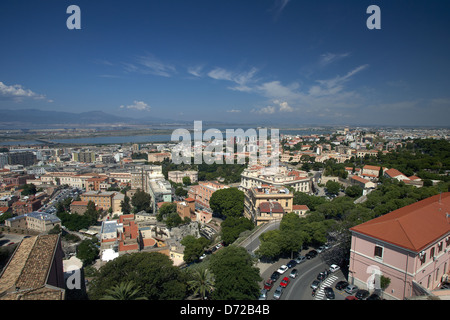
285	282
268	284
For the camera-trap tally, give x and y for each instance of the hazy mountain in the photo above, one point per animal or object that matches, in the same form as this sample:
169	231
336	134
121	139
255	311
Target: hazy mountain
27	118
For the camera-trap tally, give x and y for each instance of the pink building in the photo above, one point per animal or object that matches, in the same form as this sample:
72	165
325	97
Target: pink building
410	246
203	192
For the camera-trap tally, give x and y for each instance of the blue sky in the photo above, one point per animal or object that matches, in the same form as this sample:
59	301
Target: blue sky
292	61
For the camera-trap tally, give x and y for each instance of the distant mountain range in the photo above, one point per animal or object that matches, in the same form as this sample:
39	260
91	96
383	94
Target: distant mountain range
33	118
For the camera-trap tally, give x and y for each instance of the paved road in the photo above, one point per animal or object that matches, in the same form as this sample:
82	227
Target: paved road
252	242
299	288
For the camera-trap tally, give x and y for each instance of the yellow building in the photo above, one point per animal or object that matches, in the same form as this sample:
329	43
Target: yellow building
266	203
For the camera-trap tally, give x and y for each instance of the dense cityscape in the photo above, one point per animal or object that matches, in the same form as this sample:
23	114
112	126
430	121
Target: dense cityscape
224	158
98	206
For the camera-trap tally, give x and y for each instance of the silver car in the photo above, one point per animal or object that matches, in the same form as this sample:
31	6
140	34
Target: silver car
351	289
263	294
278	292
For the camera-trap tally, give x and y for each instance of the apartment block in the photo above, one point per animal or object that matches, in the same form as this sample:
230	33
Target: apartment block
266	203
202	192
177	176
410	246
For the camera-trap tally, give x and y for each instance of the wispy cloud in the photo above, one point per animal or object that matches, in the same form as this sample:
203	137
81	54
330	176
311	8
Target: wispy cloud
241	79
328	58
137	105
17	92
149	64
195	71
234	111
279	106
278	7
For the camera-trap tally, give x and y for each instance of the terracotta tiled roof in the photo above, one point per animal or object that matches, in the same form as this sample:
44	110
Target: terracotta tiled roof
273	207
394	173
413	227
300	207
26	274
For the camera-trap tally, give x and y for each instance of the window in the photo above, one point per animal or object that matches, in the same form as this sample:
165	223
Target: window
432	252
378	252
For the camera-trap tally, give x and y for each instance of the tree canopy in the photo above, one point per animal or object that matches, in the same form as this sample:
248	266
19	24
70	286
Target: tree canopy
154	273
236	277
228	202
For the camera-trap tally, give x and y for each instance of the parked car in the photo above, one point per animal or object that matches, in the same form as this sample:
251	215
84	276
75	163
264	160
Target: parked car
334	268
294	273
263	294
351	298
321	276
329	293
351	289
291	264
275	276
373	296
362	294
282	269
315	284
278	292
311	254
341	285
268	284
284	283
300	259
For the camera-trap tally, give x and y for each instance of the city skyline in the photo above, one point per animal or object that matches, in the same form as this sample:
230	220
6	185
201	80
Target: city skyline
286	61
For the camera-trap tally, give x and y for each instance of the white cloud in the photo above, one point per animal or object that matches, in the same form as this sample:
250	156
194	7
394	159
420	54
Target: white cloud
149	64
284	106
241	79
328	58
17	92
195	71
234	111
137	105
279	7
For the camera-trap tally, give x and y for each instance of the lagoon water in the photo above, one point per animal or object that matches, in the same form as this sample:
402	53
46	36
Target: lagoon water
142	138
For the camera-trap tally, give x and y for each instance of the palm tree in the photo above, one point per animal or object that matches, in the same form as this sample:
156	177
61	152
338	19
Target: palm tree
124	291
202	282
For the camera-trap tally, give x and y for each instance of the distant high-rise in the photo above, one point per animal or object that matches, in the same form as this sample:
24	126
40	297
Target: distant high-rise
88	156
25	158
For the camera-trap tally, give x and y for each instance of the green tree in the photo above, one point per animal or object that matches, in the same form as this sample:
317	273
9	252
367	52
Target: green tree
193	248
141	201
236	277
165	210
232	227
180	192
124	291
159	279
28	189
87	252
333	187
91	212
125	205
187	181
354	191
228	202
201	283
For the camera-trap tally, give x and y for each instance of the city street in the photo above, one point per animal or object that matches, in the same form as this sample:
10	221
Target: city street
299	288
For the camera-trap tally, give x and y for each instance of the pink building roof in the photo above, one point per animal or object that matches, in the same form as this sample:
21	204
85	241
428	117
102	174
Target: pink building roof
412	227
